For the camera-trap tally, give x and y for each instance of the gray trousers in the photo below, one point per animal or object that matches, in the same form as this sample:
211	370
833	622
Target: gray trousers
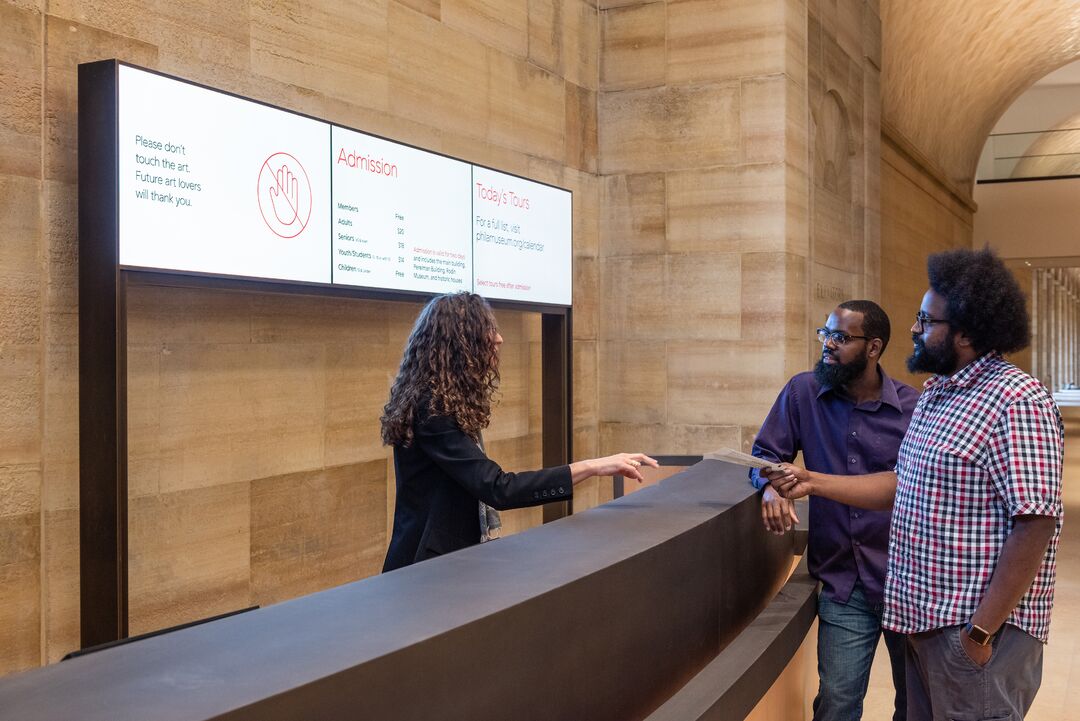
944	684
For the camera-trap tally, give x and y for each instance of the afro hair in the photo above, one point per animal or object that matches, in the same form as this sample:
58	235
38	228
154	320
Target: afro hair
983	299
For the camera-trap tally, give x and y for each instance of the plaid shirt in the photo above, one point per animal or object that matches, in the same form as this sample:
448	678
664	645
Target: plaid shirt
984	445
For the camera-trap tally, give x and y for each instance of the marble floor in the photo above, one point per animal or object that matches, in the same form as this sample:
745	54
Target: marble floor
1059	697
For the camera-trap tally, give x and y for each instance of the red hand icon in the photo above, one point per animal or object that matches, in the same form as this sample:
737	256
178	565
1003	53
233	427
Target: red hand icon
285	196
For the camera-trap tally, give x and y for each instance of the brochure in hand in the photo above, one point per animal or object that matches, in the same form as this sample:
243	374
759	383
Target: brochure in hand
730	455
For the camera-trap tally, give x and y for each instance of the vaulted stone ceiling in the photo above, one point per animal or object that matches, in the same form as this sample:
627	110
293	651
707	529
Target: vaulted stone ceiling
952	67
1056	152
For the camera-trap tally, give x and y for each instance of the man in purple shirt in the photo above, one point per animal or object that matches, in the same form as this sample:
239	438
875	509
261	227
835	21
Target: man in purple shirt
846	417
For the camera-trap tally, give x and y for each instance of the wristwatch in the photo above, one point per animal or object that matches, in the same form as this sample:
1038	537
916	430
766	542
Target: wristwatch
978	634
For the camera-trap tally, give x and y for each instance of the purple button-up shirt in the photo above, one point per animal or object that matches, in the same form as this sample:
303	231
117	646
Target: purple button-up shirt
836	436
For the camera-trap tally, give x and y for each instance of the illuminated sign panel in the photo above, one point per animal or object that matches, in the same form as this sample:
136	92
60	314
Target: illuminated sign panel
216	184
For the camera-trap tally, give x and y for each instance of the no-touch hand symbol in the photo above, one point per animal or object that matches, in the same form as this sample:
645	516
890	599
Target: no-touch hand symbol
284	195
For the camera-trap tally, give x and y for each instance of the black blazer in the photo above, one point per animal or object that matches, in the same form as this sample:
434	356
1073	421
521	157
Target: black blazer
440	478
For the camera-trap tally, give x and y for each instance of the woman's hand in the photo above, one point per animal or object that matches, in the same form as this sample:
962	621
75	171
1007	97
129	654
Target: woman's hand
627	465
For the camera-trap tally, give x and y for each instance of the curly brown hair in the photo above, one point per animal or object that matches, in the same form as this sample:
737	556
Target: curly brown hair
451	363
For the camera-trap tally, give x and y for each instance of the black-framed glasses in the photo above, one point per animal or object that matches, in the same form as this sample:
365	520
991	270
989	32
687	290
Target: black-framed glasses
922	320
838	337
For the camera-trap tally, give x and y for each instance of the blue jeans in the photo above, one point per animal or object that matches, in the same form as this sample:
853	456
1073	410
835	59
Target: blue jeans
847	639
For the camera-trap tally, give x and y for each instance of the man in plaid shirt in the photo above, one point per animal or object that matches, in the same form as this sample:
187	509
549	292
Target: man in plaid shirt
977	490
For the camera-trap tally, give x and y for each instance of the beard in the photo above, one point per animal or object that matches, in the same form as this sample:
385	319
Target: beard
837	375
940	360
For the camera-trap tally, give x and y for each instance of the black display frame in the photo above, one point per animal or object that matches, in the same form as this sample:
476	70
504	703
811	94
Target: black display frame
103	291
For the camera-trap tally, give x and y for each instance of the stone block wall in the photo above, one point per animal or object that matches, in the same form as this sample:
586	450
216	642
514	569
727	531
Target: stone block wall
256	468
723	159
920	215
739	164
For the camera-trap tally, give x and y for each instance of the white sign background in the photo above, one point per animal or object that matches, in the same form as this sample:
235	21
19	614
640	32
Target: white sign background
264	188
521	239
420	193
226	141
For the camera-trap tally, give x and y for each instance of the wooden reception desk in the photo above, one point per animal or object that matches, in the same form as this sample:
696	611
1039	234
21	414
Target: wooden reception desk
669	603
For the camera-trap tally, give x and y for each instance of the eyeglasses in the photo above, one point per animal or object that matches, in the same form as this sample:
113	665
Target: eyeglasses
922	320
838	337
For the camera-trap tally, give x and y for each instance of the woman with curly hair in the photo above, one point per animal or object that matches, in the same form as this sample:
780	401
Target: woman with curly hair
447	487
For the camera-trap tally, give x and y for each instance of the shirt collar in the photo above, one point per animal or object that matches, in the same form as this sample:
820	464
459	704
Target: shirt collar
966	376
889	395
888	391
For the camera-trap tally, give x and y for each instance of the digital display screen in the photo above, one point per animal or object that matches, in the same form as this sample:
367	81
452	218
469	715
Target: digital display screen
397	216
521	239
216	184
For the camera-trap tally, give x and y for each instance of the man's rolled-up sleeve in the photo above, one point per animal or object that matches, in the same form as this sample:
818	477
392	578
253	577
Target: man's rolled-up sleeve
1026	459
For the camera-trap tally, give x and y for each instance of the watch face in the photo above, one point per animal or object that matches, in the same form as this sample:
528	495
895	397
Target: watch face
979	635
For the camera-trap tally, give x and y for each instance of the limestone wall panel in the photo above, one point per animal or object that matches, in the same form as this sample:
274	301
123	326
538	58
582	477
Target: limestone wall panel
722	382
633	382
727	209
262	401
510	417
545	34
188	33
20	292
634	215
60	577
20	589
669	128
502	24
587	191
564	39
704	296
59	421
431	8
20	78
767	313
358	379
764	129
587	298
20	405
797	211
314	529
635	293
191	555
528	107
635	46
710	41
796	41
436	72
671	438
586	389
338	49
581	131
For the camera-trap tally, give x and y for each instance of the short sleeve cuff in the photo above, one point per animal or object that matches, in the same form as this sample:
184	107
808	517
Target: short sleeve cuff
1037	508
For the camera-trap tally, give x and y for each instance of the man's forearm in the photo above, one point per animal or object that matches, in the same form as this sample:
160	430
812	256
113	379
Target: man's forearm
875	491
1020	559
